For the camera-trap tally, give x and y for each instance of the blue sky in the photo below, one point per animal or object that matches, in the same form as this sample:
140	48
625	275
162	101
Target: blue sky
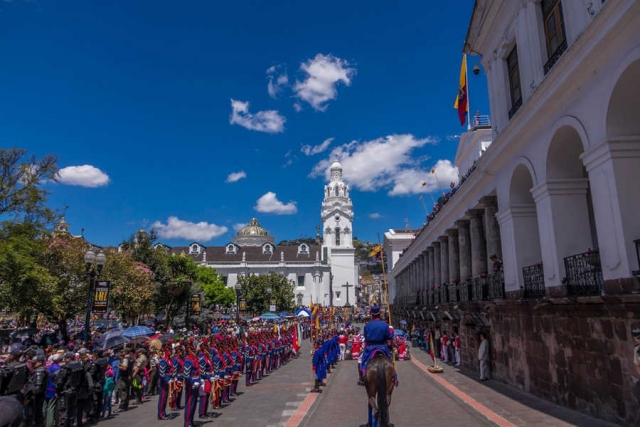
154	107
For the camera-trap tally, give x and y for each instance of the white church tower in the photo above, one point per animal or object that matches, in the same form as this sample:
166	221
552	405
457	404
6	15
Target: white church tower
338	250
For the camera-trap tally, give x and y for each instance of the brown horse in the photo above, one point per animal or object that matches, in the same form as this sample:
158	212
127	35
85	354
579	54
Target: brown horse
379	381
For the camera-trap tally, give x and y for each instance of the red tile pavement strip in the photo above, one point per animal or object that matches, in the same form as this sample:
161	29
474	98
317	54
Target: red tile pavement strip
302	410
488	413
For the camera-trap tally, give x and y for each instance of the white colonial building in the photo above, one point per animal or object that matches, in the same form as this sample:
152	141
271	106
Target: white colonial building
323	273
556	193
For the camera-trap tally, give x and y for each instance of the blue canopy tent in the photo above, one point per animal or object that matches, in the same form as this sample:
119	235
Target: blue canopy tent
269	316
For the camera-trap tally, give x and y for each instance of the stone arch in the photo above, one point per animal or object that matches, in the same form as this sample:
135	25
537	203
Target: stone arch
526	234
624	99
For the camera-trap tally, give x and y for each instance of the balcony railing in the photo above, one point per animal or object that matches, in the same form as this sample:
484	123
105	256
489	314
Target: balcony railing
554	58
464	291
584	274
430	298
479	289
444	294
479	122
453	293
533	281
495	286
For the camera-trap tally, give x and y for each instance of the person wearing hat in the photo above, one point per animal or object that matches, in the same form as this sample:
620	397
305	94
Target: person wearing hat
11	412
377	337
34	393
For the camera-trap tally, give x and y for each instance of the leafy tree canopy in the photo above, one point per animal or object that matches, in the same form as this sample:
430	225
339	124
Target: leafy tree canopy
215	291
254	291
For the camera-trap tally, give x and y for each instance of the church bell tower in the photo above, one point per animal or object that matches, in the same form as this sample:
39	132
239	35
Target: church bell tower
337	231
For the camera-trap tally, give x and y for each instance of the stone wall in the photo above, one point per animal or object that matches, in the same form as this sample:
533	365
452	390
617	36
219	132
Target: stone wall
574	352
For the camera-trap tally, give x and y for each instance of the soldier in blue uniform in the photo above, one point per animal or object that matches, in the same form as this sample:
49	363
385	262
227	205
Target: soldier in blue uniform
177	368
206	371
164	377
248	363
377	337
191	374
317	366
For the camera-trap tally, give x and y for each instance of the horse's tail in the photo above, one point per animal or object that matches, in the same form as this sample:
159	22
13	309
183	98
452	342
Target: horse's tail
381	385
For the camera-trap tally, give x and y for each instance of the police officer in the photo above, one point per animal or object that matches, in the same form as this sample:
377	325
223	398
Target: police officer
68	380
14	375
84	390
97	369
34	393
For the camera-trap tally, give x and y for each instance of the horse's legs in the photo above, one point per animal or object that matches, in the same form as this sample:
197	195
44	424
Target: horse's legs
369	414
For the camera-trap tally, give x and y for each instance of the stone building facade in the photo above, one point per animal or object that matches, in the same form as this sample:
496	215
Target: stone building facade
556	197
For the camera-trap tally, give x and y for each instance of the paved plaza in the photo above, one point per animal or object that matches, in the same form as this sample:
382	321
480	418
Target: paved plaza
454	398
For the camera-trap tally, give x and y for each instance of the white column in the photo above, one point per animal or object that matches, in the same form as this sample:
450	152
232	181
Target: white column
444	259
436	263
615	191
454	259
563	221
520	243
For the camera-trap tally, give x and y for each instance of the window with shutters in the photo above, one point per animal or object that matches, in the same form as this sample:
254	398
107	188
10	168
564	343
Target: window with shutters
515	90
554	31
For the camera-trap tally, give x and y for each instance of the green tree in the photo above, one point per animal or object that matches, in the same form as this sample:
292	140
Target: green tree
22	198
132	285
215	291
254	291
42	273
173	274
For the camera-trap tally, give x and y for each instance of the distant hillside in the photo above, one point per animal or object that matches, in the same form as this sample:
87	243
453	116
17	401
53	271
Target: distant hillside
296	242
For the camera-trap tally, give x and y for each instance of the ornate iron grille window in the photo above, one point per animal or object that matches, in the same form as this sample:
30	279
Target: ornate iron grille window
478	290
463	291
496	286
453	293
554	31
431	299
515	90
533	281
443	294
584	274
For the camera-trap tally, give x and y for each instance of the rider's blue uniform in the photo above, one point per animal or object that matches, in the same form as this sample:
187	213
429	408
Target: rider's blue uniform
376	336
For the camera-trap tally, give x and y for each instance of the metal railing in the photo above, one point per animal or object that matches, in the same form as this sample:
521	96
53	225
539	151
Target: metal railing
533	276
464	291
444	294
495	289
430	298
453	293
479	121
637	243
584	274
554	58
479	289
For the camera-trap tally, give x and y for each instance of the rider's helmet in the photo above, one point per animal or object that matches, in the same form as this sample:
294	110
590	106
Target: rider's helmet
375	310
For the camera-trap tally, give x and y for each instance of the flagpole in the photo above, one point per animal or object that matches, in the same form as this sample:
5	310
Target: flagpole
466	82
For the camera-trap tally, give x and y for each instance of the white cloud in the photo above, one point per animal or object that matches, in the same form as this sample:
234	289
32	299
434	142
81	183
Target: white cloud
452	137
315	149
373	165
239	226
388	163
269	203
83	176
416	181
277	80
269	121
297	107
236	176
288	159
375	215
178	229
323	74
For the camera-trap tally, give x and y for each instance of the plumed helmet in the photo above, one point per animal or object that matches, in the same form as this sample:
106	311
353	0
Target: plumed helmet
375	310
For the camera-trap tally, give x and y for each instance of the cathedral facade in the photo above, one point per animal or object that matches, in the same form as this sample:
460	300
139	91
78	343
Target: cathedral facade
324	272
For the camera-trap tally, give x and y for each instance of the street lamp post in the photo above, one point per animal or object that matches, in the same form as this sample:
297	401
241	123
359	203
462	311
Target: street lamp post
269	293
100	260
238	293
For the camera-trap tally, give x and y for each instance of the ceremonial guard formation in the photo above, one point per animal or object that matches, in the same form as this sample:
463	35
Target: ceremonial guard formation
59	387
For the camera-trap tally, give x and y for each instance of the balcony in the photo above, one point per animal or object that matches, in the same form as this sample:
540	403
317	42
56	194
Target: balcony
555	57
534	281
584	274
480	122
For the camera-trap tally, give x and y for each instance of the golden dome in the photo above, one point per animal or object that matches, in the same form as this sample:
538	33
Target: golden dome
253	229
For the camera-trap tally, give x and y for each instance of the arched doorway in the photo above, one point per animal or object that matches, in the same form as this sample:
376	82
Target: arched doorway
616	180
566	222
526	239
